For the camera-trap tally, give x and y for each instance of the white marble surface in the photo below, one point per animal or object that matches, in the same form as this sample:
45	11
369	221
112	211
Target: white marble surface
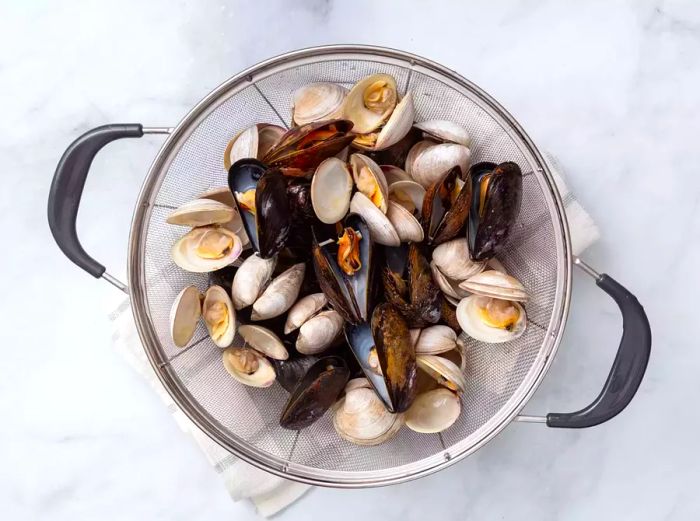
610	87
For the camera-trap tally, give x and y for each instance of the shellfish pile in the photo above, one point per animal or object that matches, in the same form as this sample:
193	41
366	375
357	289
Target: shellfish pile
348	258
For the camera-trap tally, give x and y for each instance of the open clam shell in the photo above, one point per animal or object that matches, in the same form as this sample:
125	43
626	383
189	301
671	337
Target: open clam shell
383	232
370	102
318	102
318	333
393	174
395	129
250	279
223	195
445	131
446	372
407	227
471	313
263	341
433	411
492	283
280	295
331	188
362	419
427	161
303	310
452	259
219	316
184	315
248	367
435	340
408	194
206	249
252	143
449	287
370	180
201	212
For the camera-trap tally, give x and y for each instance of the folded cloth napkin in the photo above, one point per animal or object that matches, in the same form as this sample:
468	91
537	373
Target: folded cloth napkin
270	494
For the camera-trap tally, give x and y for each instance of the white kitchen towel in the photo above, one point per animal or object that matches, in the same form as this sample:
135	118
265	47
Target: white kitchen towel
269	493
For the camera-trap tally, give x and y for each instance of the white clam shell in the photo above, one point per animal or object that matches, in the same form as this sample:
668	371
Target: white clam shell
250	280
318	333
360	161
452	259
357	383
427	163
446	372
263	341
317	102
449	287
215	295
408	193
304	309
433	411
399	124
252	142
201	212
471	323
264	376
184	315
406	225
365	120
184	253
280	295
496	284
362	419
224	195
434	340
331	188
393	174
380	227
446	131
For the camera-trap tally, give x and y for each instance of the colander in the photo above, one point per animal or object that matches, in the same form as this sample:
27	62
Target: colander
502	377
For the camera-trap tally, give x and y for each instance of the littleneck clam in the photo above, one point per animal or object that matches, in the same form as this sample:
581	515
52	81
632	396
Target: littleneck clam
496	284
317	102
427	161
370	102
184	315
223	195
406	225
357	383
252	143
250	280
408	194
331	188
304	309
264	341
491	320
435	339
446	372
201	212
392	174
219	316
362	419
445	131
448	286
433	411
452	259
280	295
370	180
248	367
206	249
383	232
319	332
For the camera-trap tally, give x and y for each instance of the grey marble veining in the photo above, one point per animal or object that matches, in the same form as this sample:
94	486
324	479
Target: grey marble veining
611	88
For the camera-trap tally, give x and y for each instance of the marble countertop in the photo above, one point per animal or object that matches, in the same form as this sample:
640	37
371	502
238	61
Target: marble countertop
611	88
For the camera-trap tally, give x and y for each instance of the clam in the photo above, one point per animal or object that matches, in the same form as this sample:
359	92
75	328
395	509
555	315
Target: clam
446	372
219	316
184	315
396	154
433	411
446	207
496	284
370	102
393	131
406	225
435	340
317	102
408	194
248	367
331	188
445	131
318	333
496	198
357	383
252	143
223	195
250	280
427	161
362	419
315	393
263	341
392	174
280	295
449	287
201	212
452	259
303	310
491	320
380	227
206	249
370	180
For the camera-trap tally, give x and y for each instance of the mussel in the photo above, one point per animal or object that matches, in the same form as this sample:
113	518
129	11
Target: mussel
496	196
446	207
291	371
315	393
243	177
273	215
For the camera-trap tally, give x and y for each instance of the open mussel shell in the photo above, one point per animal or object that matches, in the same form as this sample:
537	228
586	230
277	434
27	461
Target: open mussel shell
435	340
446	372
291	371
206	249
201	212
433	411
303	310
370	181
407	227
491	320
452	259
318	333
496	284
362	419
331	188
280	294
318	102
273	216
315	393
250	279
446	207
383	232
496	198
425	295
264	341
252	143
184	315
303	148
248	366
359	338
243	177
427	161
219	316
445	131
397	358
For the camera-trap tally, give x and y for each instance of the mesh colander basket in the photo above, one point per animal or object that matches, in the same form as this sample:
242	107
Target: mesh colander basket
245	420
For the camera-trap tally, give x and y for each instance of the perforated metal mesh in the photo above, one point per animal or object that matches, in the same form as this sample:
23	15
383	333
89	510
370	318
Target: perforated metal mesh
244	419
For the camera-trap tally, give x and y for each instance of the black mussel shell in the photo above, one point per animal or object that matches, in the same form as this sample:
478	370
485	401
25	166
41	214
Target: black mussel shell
223	277
299	195
490	223
396	355
244	175
303	148
455	217
361	342
272	213
315	393
396	154
396	258
332	283
425	295
361	282
448	313
442	220
291	371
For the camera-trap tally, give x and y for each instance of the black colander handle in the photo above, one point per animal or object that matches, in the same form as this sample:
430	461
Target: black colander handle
67	189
